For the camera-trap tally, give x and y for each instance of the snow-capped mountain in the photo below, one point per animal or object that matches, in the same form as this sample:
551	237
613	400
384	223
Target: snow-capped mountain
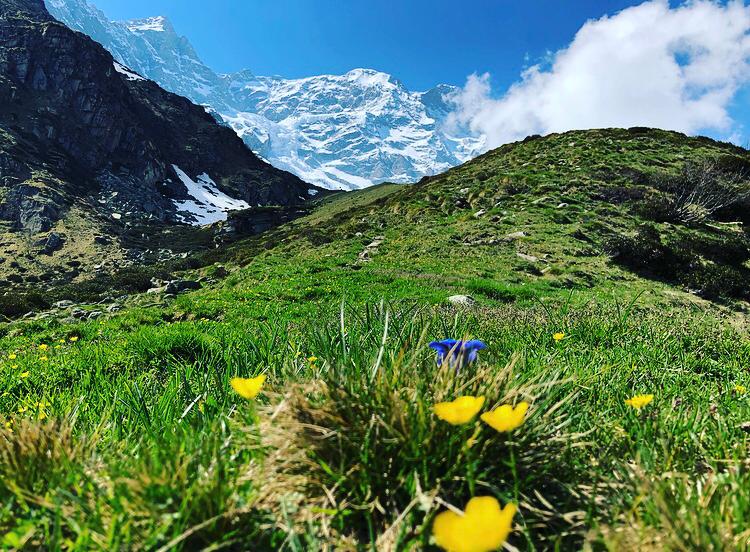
337	131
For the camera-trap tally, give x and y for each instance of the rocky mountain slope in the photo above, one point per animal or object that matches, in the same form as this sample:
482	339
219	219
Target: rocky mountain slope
338	131
84	138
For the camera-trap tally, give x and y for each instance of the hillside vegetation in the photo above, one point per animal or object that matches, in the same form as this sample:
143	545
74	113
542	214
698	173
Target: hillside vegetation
589	287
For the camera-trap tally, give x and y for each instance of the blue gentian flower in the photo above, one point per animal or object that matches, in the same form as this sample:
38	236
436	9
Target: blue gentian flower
459	353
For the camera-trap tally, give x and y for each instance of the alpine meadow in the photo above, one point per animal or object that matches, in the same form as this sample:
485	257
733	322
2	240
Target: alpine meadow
332	314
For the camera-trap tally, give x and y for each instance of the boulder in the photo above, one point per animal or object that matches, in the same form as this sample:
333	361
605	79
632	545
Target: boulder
53	242
181	286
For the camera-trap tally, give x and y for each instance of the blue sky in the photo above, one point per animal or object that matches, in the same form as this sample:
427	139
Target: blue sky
422	42
595	63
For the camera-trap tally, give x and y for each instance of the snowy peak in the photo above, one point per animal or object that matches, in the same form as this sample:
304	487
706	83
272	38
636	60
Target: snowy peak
338	131
157	24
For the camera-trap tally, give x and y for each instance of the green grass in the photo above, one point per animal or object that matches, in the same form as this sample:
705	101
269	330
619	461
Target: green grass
130	437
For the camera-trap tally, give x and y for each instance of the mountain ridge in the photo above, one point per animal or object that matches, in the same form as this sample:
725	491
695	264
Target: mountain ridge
401	144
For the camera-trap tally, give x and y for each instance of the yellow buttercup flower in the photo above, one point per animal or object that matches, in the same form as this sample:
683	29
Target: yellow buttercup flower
559	336
44	358
639	401
248	388
25	375
740	389
312	359
483	527
74	338
43	347
460	411
505	417
12	356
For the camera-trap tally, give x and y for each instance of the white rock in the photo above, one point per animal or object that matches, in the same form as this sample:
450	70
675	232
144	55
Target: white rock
462	300
529	258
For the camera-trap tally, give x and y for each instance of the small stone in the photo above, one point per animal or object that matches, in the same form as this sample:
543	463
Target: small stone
515	235
745	426
479	213
462	300
64	304
93	315
562	205
78	314
116	216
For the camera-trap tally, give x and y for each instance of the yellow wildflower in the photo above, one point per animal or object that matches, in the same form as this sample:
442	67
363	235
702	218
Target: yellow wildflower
506	417
460	411
74	338
248	388
312	359
25	375
12	356
44	358
61	340
740	389
639	401
43	347
42	415
483	527
559	336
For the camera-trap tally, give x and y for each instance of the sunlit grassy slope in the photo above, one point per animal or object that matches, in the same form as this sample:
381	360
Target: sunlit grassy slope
124	433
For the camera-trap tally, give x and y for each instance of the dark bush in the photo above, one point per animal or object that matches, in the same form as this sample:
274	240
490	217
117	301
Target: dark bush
645	253
713	267
702	189
15	304
716	281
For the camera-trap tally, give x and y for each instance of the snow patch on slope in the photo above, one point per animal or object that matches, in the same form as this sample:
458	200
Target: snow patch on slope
209	204
128	74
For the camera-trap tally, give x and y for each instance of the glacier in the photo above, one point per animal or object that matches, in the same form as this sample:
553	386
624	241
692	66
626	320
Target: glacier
339	132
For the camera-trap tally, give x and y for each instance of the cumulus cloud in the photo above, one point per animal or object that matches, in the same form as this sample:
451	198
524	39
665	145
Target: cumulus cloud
649	65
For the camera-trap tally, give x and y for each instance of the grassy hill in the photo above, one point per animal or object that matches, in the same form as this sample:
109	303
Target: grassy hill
124	433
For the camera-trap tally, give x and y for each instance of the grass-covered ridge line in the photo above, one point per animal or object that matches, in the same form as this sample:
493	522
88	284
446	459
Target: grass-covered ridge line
125	433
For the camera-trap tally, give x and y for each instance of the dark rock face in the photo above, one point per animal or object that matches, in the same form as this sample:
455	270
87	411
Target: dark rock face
53	242
95	134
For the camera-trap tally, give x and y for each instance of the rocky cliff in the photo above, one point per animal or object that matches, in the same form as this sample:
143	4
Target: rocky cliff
79	129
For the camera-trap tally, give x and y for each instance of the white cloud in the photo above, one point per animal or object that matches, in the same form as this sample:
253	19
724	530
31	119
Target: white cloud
649	65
